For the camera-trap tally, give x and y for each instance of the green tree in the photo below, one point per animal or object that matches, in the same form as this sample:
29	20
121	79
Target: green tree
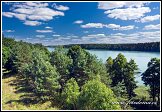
9	43
120	90
62	62
41	75
109	63
96	68
5	55
118	66
129	77
95	95
121	70
86	66
21	55
79	61
121	93
151	77
71	93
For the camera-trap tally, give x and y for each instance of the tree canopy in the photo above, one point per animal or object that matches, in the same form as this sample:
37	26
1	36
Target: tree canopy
95	95
151	77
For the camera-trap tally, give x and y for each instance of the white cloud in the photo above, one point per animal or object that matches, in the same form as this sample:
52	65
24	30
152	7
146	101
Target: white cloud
60	7
152	27
9	31
155	34
137	37
43	18
37	4
78	22
119	4
93	36
56	35
44	31
110	5
111	26
48	27
20	16
92	25
24	10
40	36
72	36
128	13
32	11
124	10
32	23
44	14
130	27
96	35
149	18
40	13
8	14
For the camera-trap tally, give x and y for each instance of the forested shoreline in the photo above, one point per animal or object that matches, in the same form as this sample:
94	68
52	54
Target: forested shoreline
74	79
147	47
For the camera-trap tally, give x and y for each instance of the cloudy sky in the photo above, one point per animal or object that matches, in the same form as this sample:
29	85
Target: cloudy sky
57	23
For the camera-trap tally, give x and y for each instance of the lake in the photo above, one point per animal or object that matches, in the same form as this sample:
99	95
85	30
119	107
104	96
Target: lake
141	58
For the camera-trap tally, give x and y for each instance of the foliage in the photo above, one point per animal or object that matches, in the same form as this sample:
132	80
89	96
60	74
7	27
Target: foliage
142	93
151	46
77	70
129	77
42	75
96	96
71	93
62	62
95	68
5	55
20	53
86	66
121	70
151	77
109	63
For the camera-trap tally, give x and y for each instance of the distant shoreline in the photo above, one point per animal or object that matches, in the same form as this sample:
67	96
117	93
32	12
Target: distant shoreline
147	47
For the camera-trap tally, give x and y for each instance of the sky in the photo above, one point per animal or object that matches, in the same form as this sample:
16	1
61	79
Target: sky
60	23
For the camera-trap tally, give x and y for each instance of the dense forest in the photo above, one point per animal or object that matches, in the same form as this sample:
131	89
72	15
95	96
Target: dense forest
150	47
74	79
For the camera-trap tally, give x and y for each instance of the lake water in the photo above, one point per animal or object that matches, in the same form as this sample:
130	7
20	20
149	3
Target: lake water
141	58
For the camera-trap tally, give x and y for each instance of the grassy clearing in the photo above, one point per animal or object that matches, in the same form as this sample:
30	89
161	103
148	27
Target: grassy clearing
15	98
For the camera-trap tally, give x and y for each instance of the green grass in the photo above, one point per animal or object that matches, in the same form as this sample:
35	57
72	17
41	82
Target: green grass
15	99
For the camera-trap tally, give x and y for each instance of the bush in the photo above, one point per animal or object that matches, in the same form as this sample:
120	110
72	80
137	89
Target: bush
96	96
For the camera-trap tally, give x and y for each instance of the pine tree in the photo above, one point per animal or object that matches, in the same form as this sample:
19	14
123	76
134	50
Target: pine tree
71	93
41	75
151	77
